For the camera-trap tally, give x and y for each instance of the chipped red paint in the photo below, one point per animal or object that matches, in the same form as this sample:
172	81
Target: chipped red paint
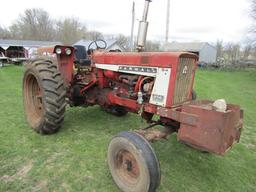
213	131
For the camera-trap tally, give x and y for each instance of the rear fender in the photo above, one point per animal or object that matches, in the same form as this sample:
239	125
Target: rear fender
65	62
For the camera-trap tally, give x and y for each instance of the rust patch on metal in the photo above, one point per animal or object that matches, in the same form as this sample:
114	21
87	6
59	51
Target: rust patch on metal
127	166
144	59
155	134
215	131
177	115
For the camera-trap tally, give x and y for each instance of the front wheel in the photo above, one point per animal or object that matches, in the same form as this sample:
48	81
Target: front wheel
133	164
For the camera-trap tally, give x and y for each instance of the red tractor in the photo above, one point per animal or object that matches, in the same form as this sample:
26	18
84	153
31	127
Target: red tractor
156	85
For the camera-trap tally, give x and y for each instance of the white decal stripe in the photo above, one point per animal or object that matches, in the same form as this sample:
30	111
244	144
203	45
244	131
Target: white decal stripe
107	67
117	68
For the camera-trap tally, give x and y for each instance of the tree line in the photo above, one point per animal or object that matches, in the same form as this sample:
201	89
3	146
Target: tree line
233	52
36	24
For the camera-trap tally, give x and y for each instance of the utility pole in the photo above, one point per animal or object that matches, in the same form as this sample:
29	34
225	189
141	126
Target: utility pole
132	28
167	22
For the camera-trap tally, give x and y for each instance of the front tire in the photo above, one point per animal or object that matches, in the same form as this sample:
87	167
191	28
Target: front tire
44	96
133	164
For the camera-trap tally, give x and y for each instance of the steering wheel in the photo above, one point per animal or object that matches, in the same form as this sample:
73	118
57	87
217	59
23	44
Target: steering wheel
97	45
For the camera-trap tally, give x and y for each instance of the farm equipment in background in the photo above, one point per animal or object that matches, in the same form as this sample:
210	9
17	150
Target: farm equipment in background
155	85
17	55
3	59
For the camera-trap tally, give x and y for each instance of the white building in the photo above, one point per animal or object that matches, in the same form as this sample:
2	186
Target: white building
206	52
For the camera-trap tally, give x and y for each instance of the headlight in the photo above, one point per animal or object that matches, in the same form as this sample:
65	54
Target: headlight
58	51
68	51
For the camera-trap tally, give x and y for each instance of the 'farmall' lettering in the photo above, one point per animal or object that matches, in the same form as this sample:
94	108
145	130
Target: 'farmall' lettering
137	69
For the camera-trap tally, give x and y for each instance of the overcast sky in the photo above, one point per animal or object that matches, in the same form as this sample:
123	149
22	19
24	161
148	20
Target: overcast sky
190	20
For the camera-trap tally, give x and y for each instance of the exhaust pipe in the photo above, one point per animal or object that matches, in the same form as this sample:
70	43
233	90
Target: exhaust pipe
143	28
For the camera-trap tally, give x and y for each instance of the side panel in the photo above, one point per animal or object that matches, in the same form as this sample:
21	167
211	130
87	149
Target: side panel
160	89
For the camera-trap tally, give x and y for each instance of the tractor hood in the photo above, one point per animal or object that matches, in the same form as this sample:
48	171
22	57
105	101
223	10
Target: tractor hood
153	59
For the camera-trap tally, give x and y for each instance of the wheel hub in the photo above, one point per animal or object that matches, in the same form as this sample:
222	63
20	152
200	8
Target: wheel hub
127	167
33	99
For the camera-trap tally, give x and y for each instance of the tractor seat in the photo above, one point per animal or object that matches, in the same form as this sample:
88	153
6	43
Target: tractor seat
81	56
83	62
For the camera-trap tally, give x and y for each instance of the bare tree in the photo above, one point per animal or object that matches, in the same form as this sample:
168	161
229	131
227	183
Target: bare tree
254	52
219	47
121	39
233	52
152	45
34	24
247	51
93	35
70	30
4	33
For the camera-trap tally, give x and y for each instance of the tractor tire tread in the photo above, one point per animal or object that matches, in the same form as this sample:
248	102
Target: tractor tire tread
54	93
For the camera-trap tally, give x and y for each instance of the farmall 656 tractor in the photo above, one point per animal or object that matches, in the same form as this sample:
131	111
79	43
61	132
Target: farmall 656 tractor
151	84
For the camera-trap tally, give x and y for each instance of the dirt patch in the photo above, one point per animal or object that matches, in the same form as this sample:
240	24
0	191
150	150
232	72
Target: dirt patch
88	178
65	187
40	186
250	146
20	174
53	158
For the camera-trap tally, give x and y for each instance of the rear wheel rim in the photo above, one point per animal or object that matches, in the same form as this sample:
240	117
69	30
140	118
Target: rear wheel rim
127	167
33	100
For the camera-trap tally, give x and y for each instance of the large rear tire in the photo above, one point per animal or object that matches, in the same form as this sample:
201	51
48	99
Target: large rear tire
44	96
133	164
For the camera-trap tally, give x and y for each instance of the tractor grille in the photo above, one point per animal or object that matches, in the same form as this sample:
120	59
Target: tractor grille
184	77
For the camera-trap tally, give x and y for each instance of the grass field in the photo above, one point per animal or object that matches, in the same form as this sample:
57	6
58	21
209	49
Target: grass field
75	158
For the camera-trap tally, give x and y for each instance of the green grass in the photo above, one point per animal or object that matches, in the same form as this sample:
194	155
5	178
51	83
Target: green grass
75	158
